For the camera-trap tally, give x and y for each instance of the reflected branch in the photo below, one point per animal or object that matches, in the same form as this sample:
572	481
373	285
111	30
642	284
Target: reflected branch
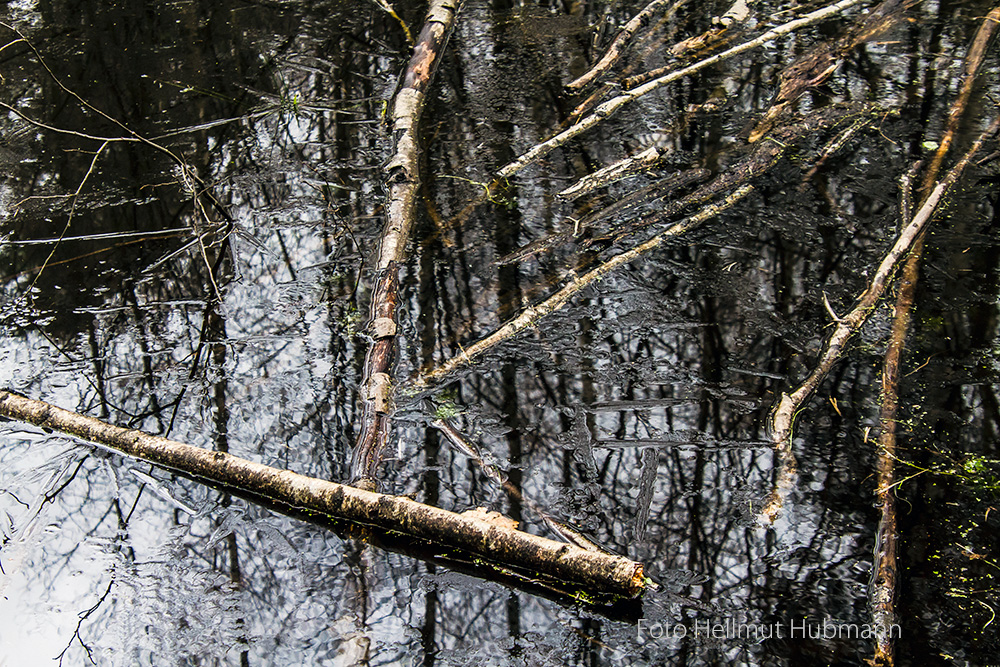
884	568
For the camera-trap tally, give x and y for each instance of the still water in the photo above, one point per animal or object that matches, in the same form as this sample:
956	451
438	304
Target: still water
210	281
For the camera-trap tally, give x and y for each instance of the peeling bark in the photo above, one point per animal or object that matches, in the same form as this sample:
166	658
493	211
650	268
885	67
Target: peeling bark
403	184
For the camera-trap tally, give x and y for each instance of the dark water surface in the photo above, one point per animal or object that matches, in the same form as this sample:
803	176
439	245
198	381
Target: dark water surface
228	312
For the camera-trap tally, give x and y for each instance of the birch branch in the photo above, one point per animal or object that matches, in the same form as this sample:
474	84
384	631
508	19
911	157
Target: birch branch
469	532
609	108
403	184
530	316
612	173
783	416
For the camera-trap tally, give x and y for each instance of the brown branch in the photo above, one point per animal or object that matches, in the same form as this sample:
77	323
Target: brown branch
820	62
884	567
507	548
402	183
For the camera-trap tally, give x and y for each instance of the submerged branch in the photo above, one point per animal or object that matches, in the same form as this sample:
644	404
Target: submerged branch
783	416
620	43
820	62
885	568
402	183
530	316
593	571
609	108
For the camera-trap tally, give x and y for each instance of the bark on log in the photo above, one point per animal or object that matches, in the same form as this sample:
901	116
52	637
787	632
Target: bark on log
593	572
402	183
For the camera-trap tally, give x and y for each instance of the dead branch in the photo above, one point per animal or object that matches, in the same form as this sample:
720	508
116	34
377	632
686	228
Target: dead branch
618	45
884	567
612	173
762	158
612	106
738	13
468	532
820	62
495	475
403	183
621	209
783	416
883	592
530	316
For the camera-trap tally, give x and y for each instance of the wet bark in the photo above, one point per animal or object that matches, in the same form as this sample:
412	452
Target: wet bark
402	183
885	568
595	572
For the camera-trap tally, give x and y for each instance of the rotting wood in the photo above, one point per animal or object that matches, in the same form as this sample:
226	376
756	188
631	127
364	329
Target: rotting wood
402	182
629	166
820	62
783	416
626	214
621	209
593	572
738	13
724	28
762	158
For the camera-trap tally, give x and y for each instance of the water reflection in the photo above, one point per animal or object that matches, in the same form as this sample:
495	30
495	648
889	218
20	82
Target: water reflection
213	287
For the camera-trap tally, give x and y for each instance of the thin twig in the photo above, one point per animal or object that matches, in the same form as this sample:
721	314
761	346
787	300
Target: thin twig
72	211
618	45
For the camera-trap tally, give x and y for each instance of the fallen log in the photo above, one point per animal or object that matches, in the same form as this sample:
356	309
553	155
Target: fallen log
593	574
